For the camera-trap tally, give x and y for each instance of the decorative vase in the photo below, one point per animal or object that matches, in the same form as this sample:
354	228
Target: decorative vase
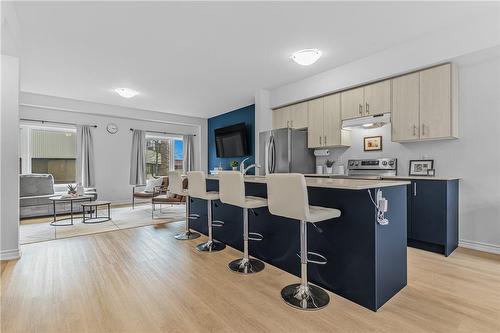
329	169
235	168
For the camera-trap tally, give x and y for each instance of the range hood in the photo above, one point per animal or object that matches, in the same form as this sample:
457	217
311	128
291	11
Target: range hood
375	121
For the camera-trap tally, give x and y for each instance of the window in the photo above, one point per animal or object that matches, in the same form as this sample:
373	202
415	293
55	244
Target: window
49	150
162	155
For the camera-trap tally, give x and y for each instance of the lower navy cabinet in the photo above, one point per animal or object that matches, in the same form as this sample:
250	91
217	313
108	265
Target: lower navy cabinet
433	215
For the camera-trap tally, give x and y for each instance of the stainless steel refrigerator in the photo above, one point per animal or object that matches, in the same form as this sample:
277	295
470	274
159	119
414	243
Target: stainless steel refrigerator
285	150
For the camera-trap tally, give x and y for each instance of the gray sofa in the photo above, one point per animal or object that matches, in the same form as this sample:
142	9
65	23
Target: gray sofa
35	191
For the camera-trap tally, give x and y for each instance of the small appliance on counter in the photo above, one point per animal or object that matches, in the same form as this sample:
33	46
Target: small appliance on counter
285	150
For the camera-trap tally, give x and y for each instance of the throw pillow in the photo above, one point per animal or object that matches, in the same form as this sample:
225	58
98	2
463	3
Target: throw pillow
152	183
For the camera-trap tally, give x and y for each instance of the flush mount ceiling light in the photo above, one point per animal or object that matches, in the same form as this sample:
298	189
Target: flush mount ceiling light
306	57
126	92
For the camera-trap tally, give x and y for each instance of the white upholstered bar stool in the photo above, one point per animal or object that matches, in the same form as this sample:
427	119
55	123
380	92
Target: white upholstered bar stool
176	186
197	188
232	192
287	196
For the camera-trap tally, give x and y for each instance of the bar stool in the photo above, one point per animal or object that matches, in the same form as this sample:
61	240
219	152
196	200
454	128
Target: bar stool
176	186
198	189
232	192
287	196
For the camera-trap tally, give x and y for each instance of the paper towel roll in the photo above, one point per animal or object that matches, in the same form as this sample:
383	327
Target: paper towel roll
321	152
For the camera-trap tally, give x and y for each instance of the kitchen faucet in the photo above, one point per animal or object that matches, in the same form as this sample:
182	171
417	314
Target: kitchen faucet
244	170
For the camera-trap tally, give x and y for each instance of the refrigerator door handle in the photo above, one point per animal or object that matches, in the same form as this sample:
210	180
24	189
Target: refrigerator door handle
270	155
273	165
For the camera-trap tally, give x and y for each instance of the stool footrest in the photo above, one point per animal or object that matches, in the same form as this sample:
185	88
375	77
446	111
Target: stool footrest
194	216
255	236
323	260
217	223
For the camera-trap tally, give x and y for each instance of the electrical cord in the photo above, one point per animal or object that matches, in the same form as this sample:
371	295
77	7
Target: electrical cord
381	219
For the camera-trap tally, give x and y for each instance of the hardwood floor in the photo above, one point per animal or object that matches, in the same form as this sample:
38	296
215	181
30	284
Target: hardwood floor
143	280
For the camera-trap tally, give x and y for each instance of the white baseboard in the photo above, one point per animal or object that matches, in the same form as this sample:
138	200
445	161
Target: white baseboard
484	247
10	254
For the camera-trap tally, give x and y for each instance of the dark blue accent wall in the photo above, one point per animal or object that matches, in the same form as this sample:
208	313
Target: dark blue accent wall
244	115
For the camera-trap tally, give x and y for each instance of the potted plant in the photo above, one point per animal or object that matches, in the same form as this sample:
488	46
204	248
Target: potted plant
72	190
329	166
234	165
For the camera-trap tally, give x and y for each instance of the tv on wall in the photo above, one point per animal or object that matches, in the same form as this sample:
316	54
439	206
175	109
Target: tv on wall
231	141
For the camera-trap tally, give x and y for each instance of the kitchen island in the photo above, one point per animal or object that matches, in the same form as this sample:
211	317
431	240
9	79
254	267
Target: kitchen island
366	261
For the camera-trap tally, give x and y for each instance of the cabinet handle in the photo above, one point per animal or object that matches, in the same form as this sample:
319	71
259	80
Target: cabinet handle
360	108
287	123
415	189
320	140
291	123
423	129
325	140
367	108
414	130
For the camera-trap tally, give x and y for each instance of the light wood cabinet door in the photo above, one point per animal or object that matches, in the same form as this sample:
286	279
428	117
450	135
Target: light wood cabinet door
435	102
298	115
352	103
281	117
315	123
332	127
405	108
377	98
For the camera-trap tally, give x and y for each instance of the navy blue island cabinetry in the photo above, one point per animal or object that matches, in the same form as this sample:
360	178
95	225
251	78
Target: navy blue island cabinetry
433	215
366	261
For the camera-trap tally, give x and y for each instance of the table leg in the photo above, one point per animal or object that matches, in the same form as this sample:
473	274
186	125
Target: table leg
71	210
54	207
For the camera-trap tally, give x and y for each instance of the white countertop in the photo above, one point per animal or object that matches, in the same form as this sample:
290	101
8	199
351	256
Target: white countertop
387	177
347	184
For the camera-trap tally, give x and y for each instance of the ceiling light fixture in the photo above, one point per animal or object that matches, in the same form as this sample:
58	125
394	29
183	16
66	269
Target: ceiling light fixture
306	57
126	92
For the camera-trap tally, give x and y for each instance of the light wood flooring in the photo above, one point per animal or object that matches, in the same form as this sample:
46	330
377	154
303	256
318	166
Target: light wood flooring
143	280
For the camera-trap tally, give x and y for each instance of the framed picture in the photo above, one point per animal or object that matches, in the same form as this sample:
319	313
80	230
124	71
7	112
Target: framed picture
421	167
372	143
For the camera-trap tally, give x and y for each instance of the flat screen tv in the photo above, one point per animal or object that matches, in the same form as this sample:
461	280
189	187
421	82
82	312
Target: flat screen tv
231	141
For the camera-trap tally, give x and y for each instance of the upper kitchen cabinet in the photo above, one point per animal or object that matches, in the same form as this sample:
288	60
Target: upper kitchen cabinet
352	103
368	100
405	107
424	105
293	116
281	117
438	112
298	115
325	123
378	98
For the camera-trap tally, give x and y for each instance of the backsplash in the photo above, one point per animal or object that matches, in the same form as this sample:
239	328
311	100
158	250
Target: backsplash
403	152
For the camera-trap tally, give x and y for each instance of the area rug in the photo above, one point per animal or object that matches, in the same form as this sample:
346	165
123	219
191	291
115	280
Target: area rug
39	230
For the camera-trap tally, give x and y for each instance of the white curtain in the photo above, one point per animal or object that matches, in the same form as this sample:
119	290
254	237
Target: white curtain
138	158
188	153
85	171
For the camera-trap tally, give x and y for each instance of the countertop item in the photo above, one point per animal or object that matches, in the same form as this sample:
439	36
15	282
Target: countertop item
344	183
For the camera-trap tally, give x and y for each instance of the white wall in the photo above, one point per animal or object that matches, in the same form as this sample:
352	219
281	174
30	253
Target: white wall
263	118
112	151
9	141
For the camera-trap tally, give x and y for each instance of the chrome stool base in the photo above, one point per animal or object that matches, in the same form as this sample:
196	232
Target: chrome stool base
246	266
187	235
305	298
211	246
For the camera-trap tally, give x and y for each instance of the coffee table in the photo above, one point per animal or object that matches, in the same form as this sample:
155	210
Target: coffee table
61	199
93	207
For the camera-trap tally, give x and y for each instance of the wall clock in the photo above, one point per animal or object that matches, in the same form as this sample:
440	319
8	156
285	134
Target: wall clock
112	128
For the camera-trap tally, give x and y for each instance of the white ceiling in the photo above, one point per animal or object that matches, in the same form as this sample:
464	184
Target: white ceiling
203	59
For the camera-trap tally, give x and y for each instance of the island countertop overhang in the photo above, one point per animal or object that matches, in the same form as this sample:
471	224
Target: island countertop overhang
346	184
